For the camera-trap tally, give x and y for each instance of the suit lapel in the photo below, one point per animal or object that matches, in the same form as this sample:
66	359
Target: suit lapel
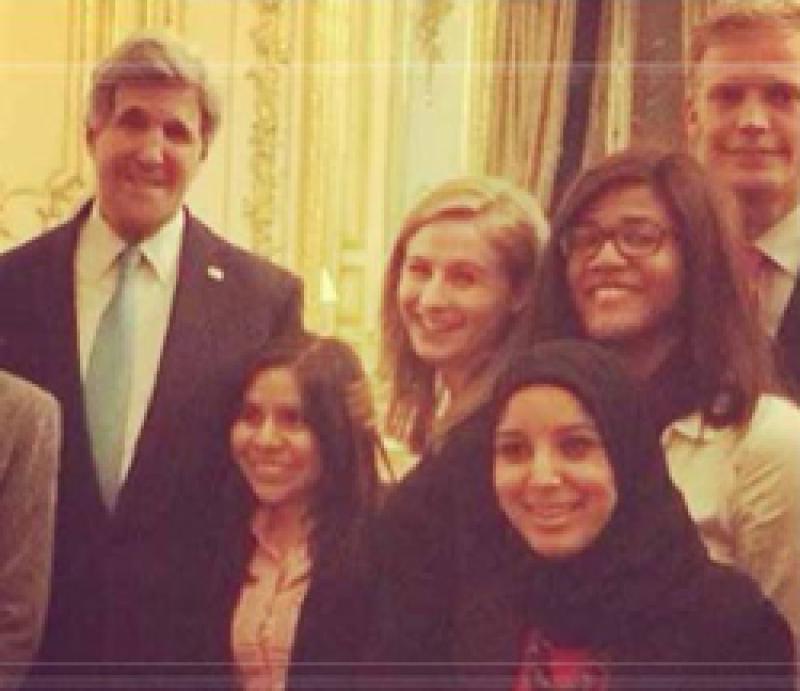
189	357
191	378
54	302
789	339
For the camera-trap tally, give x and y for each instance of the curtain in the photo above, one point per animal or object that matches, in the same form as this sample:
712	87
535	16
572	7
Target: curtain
612	92
532	54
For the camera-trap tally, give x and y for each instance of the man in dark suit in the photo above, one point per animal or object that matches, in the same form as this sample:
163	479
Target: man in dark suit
134	273
743	121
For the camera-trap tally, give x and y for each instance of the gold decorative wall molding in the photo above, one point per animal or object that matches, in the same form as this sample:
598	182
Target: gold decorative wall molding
164	13
50	203
431	15
271	43
315	126
484	42
28	207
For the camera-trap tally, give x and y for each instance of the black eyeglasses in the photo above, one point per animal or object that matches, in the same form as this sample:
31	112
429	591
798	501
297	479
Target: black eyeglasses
633	240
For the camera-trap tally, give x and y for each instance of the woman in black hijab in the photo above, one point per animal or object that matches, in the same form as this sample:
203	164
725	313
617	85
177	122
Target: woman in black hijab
587	571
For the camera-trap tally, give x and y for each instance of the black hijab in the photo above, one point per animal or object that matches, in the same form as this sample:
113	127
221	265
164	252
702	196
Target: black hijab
645	589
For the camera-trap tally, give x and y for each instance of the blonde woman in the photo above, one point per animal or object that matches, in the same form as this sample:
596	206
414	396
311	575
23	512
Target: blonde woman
457	305
456	302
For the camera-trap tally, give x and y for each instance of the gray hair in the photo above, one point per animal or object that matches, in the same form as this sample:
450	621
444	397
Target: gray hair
152	57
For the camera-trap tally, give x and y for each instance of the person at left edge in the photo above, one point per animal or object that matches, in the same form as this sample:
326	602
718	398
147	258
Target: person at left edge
31	424
202	308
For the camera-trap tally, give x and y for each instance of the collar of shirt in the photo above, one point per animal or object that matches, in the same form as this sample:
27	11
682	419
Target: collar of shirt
780	243
441	396
99	246
295	559
692	427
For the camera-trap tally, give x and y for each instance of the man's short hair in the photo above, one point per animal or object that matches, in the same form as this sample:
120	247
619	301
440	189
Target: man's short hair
152	57
736	17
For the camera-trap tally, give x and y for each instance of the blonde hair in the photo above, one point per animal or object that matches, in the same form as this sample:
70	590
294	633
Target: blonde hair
152	56
516	228
731	19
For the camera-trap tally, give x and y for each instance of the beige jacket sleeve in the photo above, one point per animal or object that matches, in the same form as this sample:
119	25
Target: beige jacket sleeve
766	501
742	487
29	448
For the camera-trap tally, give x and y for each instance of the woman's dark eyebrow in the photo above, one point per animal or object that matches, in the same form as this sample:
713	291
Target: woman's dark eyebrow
583	426
508	432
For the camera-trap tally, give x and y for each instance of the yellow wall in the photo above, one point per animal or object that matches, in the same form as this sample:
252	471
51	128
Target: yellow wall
336	114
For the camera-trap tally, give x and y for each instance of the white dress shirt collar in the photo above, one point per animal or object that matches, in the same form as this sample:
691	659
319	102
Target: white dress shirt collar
693	427
781	242
99	246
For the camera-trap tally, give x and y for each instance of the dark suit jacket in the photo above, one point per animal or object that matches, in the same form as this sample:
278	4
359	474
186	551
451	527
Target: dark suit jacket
118	580
448	609
702	649
334	615
789	343
417	548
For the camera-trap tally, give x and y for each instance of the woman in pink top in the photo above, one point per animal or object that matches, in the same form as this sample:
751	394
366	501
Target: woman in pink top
290	587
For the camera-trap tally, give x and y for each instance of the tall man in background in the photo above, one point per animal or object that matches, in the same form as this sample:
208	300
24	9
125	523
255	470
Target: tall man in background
140	321
743	122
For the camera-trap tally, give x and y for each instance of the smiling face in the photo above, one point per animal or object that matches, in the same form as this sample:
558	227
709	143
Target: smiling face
743	115
146	152
620	299
454	295
552	478
272	443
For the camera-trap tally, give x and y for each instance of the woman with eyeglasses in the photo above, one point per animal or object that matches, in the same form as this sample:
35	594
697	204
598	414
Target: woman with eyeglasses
645	258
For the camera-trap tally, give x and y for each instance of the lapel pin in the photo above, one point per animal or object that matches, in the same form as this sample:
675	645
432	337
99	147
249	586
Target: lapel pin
215	273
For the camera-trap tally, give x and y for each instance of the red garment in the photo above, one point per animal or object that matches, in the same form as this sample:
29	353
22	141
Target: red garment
546	667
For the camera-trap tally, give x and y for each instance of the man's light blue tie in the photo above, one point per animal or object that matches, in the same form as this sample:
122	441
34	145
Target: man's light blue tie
108	378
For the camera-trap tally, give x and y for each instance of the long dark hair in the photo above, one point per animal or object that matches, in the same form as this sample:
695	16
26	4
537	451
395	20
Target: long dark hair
328	372
728	354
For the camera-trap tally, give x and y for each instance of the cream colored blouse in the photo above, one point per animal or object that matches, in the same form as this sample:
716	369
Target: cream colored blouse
742	487
266	616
